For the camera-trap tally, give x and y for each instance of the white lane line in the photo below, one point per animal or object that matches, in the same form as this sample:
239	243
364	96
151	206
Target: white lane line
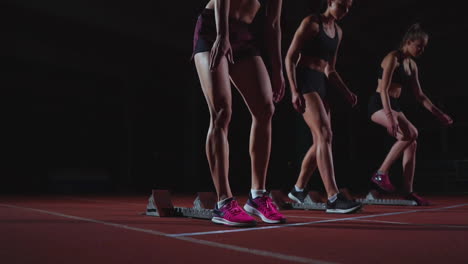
328	218
310	223
255	251
391	222
293	216
86	219
307	217
358	220
252	251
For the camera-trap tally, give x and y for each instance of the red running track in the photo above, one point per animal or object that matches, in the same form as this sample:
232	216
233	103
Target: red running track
111	229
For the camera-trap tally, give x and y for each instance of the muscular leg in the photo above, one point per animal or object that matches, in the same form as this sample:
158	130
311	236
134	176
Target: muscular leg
318	120
409	154
409	164
308	166
405	137
251	78
217	90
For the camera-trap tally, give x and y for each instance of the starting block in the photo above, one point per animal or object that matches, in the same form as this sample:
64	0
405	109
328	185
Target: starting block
312	201
160	204
374	197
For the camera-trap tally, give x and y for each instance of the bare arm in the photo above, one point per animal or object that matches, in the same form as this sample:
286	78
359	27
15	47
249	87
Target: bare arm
333	75
273	42
307	29
222	17
423	99
273	34
419	94
389	64
222	46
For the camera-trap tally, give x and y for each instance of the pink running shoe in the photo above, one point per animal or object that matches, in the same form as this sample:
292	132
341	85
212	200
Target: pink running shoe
383	182
418	199
264	207
232	214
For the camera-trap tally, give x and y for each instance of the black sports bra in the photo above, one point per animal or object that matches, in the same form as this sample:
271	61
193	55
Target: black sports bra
399	75
321	46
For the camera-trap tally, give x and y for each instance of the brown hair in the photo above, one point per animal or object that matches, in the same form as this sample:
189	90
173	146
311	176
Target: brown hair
414	32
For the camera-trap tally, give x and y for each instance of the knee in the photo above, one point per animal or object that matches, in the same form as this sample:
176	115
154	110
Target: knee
221	117
265	112
414	144
415	135
325	136
411	136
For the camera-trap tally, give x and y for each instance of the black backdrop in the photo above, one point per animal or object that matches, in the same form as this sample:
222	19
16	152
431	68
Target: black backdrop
102	96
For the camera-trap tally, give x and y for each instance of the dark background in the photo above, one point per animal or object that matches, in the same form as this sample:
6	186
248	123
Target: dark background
101	96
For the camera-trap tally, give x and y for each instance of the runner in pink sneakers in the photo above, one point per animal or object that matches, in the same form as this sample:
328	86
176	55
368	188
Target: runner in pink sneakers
399	71
226	51
264	207
231	214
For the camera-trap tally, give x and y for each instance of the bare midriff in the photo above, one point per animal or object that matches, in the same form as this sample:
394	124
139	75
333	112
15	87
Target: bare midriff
393	91
312	63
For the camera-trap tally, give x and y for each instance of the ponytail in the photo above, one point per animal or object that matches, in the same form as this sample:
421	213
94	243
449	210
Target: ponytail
414	32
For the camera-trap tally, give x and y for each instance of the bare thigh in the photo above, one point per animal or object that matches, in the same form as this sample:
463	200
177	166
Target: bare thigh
215	85
251	78
317	115
406	130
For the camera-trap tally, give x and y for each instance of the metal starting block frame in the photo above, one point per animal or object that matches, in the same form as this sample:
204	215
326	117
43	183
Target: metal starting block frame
160	204
311	202
373	198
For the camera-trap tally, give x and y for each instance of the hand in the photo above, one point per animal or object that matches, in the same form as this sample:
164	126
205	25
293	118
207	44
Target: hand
445	119
278	86
393	128
298	102
221	48
352	99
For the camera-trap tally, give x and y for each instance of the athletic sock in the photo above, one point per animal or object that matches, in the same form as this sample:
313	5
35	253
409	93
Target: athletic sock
257	193
298	189
333	198
223	202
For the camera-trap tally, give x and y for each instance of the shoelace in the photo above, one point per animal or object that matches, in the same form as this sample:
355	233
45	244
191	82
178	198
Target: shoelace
269	204
233	208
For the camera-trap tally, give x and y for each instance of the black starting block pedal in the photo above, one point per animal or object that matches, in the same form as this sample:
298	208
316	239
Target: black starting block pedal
160	204
312	201
374	197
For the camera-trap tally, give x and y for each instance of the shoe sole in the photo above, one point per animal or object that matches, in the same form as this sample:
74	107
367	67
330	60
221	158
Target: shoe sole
252	211
222	221
421	203
292	197
344	211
